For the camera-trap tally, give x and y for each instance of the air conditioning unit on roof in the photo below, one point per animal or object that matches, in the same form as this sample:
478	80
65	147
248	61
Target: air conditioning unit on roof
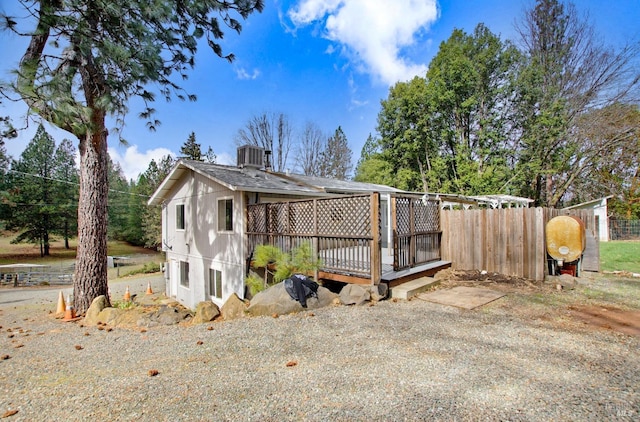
250	156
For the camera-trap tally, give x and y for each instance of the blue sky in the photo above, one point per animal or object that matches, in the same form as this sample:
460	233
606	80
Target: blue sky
330	62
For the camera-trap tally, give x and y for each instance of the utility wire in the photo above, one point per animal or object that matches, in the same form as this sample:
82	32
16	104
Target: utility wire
72	183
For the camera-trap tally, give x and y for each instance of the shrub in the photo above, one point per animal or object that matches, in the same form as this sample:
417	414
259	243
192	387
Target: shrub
301	260
255	283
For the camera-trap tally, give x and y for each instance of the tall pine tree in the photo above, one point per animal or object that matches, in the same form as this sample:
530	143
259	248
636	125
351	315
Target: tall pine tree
33	192
191	149
336	158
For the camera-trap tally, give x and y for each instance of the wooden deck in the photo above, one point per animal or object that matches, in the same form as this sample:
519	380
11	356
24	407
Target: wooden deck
347	236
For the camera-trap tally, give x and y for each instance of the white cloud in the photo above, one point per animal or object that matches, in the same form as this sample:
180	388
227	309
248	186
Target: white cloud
225	159
133	162
373	32
242	73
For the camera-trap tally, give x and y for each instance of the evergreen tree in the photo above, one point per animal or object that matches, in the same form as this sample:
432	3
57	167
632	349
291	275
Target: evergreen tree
191	149
210	156
84	61
152	221
336	157
372	167
118	200
4	179
33	192
66	190
134	232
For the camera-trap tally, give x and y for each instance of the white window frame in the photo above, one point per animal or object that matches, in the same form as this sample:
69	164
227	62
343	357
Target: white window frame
215	283
222	214
184	274
180	215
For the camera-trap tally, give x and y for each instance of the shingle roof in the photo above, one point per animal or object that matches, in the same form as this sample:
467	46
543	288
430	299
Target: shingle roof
255	180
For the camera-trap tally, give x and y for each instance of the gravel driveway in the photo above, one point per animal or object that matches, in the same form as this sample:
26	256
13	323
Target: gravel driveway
401	360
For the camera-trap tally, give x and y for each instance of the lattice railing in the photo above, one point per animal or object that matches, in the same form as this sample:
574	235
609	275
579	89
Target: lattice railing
339	230
416	231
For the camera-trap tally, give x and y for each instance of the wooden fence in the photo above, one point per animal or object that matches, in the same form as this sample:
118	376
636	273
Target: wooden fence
509	241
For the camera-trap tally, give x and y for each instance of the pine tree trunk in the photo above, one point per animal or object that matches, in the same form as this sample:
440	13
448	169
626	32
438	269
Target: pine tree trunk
90	279
66	233
46	243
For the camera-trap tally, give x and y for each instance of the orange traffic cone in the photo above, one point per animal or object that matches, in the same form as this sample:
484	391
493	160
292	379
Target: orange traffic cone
127	295
69	313
61	305
149	291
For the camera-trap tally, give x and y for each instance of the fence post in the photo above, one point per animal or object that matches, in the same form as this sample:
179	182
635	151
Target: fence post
376	255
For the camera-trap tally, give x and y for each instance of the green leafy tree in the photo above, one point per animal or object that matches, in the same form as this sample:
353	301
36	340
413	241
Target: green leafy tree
191	149
405	141
335	159
372	167
447	132
84	61
33	192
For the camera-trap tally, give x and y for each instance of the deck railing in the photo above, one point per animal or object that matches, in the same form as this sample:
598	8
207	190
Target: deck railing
416	231
344	232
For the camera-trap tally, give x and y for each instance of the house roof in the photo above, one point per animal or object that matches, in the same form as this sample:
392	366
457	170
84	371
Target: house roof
343	186
590	204
492	201
249	179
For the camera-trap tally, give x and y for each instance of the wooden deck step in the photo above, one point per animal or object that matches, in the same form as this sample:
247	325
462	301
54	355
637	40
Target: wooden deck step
411	288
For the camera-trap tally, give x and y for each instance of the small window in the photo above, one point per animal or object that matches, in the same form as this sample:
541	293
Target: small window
215	283
184	274
225	215
180	217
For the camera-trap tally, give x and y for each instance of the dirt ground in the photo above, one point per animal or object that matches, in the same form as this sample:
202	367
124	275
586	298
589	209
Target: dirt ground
598	301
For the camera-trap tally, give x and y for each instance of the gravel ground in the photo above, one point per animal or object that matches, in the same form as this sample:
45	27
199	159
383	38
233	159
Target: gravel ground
393	361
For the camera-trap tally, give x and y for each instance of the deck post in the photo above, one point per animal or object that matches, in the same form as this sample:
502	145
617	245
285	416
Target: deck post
412	234
376	253
394	230
316	244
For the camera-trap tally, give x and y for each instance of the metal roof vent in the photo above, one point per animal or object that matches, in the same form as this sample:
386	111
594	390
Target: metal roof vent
250	156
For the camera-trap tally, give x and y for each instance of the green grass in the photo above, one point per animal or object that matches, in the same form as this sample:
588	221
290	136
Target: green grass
29	253
620	256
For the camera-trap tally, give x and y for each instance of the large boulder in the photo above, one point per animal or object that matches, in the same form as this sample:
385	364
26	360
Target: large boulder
205	312
98	304
352	294
168	315
276	301
233	308
111	316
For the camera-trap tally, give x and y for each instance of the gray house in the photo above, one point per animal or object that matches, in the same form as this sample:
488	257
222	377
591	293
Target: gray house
214	215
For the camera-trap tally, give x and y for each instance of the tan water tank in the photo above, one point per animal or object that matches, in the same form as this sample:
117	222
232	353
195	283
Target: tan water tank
565	238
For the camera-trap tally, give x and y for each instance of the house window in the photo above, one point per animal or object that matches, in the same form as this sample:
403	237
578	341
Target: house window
215	283
184	274
180	217
225	215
